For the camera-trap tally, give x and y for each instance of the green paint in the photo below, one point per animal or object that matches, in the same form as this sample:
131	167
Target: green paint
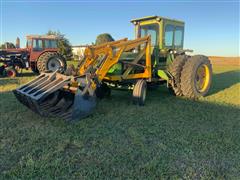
170	58
116	69
162	74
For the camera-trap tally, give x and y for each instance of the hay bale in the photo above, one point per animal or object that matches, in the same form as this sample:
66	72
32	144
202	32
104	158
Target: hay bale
103	38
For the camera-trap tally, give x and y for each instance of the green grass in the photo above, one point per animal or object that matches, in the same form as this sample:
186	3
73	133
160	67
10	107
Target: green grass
169	137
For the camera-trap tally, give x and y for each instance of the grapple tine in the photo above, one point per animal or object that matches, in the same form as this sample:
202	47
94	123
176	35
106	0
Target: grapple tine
45	96
43	92
32	83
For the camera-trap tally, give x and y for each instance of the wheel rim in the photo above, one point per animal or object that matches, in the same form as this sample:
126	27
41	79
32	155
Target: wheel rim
9	73
54	64
202	78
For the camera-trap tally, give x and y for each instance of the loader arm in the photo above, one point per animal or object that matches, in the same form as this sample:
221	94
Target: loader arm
99	59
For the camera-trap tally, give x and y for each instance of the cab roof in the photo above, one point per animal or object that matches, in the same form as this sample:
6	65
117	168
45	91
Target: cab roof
154	17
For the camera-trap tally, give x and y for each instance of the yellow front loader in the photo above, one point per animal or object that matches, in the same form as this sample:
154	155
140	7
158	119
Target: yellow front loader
72	97
155	57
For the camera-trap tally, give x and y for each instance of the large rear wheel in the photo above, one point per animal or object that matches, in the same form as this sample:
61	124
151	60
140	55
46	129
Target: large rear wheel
175	69
51	61
196	77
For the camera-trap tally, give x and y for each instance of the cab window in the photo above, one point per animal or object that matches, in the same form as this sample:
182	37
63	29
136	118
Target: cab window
37	45
178	36
169	29
29	43
54	44
150	30
50	44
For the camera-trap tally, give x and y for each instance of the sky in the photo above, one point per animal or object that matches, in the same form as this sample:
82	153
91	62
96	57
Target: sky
211	27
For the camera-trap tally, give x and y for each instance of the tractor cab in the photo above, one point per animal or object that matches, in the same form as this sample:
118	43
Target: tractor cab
166	35
39	43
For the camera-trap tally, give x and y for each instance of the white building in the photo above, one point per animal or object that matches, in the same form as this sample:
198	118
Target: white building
78	52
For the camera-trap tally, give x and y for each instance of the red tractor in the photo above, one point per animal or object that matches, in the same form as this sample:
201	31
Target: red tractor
41	54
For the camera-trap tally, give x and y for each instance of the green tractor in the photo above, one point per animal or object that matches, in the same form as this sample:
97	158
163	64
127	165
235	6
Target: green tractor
156	56
185	75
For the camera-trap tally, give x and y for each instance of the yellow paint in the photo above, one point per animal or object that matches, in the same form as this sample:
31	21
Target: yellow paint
202	78
109	55
74	84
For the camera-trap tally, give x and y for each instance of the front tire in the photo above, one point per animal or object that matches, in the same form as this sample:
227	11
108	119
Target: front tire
196	77
51	61
140	92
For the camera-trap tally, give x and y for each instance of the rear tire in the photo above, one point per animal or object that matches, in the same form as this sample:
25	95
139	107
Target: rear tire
175	69
51	61
196	77
139	92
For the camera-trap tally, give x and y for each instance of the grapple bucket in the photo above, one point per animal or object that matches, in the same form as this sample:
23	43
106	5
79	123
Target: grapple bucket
47	97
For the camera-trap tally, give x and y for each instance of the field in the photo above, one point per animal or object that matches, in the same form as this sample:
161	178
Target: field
225	61
169	137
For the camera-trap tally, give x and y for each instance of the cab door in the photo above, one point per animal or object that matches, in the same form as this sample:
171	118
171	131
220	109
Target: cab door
173	36
37	49
152	30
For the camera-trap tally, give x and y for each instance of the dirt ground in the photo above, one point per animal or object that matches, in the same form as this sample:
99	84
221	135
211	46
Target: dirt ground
215	60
